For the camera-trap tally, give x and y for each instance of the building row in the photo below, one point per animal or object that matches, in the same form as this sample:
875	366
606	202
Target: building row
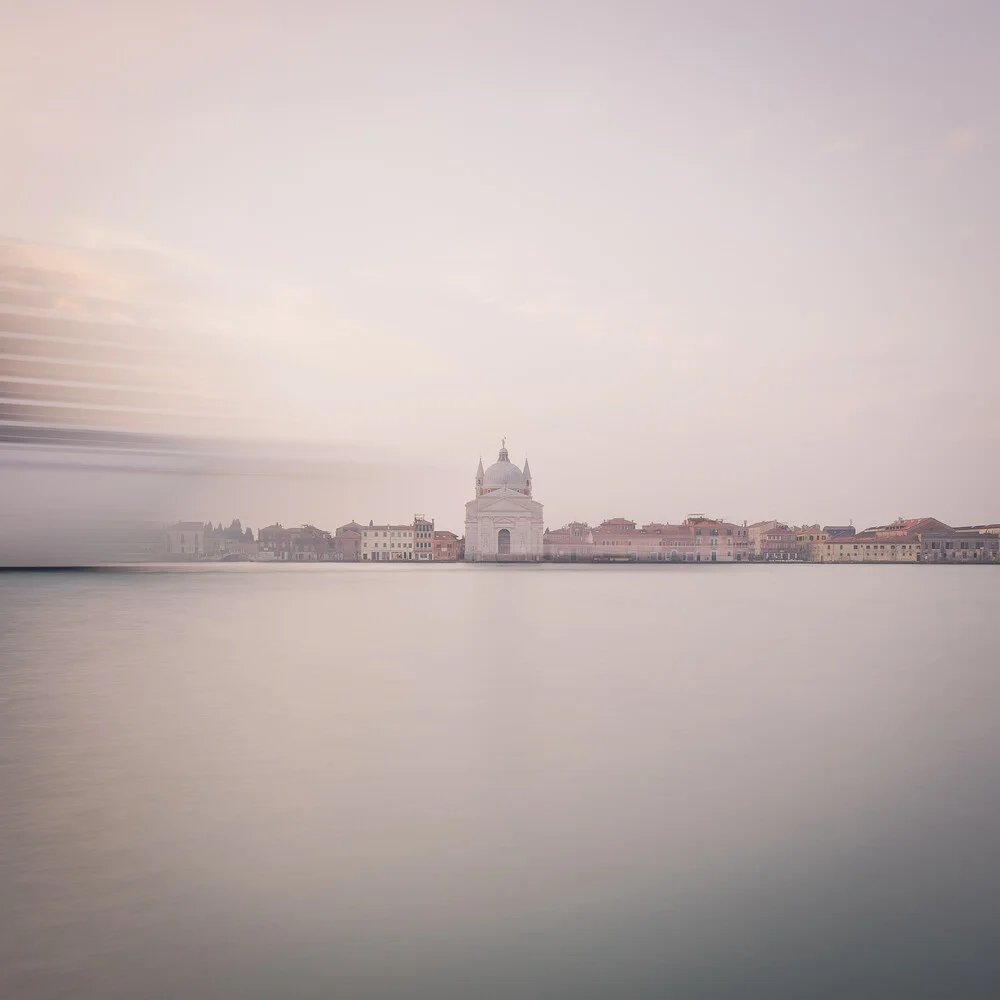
416	541
701	539
918	539
697	539
922	539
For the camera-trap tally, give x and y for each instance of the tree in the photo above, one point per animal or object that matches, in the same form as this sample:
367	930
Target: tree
248	535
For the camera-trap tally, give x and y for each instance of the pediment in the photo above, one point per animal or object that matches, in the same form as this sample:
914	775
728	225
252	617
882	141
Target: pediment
512	502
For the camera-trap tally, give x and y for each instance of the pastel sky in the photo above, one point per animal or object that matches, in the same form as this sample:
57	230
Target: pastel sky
722	257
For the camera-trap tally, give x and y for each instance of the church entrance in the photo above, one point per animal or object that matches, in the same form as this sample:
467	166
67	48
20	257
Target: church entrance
503	542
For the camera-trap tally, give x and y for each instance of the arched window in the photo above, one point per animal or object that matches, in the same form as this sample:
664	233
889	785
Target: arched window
503	542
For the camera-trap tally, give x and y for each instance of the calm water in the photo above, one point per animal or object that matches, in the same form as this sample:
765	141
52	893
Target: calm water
516	782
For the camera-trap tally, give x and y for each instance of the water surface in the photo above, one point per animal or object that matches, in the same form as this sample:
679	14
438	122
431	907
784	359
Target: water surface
451	781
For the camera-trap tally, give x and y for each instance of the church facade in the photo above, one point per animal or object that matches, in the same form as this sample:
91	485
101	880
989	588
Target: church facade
503	523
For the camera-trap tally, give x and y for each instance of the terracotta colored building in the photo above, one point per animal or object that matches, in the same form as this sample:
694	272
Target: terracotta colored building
445	547
613	540
772	541
571	543
275	540
698	539
347	543
709	540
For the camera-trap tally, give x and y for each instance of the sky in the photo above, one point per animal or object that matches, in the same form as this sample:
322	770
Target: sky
723	258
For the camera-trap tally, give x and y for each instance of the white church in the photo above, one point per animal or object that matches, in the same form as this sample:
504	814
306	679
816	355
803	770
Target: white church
503	523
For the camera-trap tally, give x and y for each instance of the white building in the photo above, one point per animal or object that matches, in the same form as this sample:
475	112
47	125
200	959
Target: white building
400	542
186	538
386	542
503	523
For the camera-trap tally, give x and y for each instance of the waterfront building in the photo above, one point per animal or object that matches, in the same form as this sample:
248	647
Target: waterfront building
678	542
387	542
347	542
307	543
705	539
275	540
805	536
772	541
310	544
867	546
571	543
401	542
446	547
186	540
960	546
503	523
614	540
375	542
423	538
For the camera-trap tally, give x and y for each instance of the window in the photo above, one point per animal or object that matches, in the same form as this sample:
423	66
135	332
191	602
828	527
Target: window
503	542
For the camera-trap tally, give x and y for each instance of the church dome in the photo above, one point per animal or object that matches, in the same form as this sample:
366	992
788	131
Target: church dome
503	472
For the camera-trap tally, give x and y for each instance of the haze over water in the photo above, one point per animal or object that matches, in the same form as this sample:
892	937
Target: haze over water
569	781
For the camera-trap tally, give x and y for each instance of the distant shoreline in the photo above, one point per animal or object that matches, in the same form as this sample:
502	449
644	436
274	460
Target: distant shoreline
210	565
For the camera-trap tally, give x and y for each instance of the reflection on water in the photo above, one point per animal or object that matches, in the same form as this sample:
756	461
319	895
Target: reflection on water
344	781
